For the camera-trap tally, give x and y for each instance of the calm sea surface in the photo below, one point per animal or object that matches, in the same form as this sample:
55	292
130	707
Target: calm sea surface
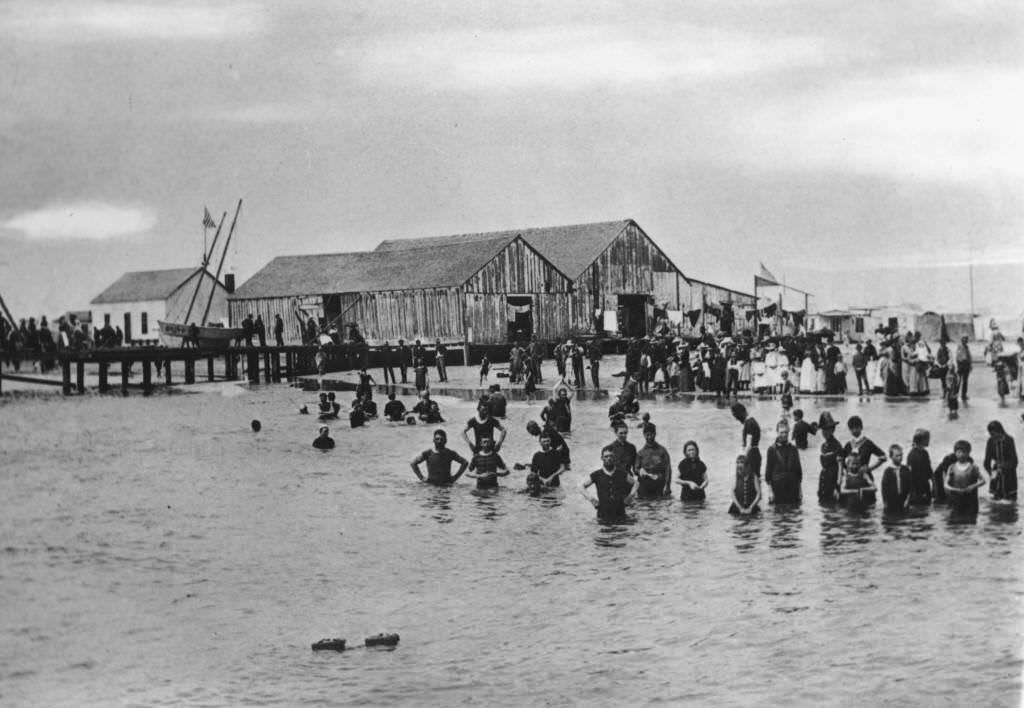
156	551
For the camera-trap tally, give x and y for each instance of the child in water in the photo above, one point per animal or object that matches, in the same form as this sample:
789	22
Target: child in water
896	482
952	390
1002	384
963	479
746	493
486	466
693	474
857	490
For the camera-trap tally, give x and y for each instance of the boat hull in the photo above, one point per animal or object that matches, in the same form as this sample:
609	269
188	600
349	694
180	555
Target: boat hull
208	336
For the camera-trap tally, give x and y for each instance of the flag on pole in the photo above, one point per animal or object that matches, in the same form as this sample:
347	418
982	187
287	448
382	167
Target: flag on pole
765	277
209	223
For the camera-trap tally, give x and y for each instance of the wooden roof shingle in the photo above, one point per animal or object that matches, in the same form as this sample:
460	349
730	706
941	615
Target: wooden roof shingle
571	249
144	285
435	266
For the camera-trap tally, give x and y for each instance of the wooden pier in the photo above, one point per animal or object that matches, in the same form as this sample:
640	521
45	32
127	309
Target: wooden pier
269	364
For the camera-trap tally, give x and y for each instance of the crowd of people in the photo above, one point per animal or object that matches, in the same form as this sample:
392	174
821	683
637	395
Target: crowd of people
36	344
853	474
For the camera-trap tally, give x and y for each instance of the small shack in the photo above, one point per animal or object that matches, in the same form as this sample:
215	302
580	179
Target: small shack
617	274
484	289
139	299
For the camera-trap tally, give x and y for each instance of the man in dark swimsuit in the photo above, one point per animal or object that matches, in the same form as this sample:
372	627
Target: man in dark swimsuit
483	426
615	488
404	357
654	466
487	465
782	469
324	441
623	451
831	452
862	446
439	462
394	410
547	463
558	443
751	437
497	402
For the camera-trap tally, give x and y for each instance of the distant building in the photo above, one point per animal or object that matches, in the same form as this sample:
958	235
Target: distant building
138	300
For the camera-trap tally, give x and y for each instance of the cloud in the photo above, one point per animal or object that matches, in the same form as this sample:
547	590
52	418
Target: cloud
84	220
257	114
91	20
957	125
577	58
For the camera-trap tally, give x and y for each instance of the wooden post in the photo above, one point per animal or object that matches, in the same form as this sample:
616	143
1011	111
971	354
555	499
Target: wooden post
147	377
80	376
124	377
288	365
190	371
253	366
104	387
276	370
266	366
65	366
209	368
167	371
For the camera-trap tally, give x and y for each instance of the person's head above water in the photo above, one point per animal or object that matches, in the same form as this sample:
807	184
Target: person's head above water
533	427
324	430
391	396
650	432
440	438
739	411
486	444
621	431
995	429
856	425
608	459
691	450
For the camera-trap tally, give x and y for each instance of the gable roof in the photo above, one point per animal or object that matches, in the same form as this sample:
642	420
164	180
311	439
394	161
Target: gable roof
142	285
436	266
570	249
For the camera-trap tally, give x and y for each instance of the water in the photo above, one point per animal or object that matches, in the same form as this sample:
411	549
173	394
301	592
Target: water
156	551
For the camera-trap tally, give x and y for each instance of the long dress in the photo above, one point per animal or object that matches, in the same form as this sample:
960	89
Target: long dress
910	374
923	356
759	377
875	382
808	376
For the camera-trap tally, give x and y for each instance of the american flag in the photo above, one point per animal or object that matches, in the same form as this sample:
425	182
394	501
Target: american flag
208	221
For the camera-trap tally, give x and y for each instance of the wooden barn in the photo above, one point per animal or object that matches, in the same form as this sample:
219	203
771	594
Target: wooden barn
499	289
618	275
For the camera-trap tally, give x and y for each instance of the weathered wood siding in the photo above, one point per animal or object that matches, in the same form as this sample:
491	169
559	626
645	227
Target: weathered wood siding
487	317
268	307
518	269
406	314
698	293
631	265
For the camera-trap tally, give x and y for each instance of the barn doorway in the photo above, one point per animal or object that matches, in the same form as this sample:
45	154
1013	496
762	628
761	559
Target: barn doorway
632	315
520	317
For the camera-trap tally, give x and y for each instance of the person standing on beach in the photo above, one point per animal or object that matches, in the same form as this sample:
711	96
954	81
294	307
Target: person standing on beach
404	357
440	352
387	355
963	366
594	354
577	363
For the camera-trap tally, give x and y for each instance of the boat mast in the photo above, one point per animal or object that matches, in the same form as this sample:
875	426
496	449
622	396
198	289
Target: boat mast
206	261
220	264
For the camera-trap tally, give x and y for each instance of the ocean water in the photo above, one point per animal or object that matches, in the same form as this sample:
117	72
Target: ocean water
157	551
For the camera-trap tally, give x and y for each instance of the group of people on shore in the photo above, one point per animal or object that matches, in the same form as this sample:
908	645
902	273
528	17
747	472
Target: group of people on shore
36	342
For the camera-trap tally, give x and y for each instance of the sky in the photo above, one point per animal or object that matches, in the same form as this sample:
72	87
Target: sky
865	152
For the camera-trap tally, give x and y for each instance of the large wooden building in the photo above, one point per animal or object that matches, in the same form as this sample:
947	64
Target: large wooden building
498	289
618	274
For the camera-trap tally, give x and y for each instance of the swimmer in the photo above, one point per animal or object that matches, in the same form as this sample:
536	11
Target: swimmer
782	470
897	482
324	441
356	416
693	474
335	406
752	434
653	466
920	465
547	463
496	401
830	459
802	430
862	446
963	480
857	490
615	488
483	425
439	462
486	466
394	410
558	443
623	451
746	492
325	404
1001	463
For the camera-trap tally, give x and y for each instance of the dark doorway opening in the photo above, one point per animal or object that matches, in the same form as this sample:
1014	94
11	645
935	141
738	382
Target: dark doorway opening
632	314
520	317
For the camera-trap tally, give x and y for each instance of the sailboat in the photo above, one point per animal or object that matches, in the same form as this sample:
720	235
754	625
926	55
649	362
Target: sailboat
208	336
